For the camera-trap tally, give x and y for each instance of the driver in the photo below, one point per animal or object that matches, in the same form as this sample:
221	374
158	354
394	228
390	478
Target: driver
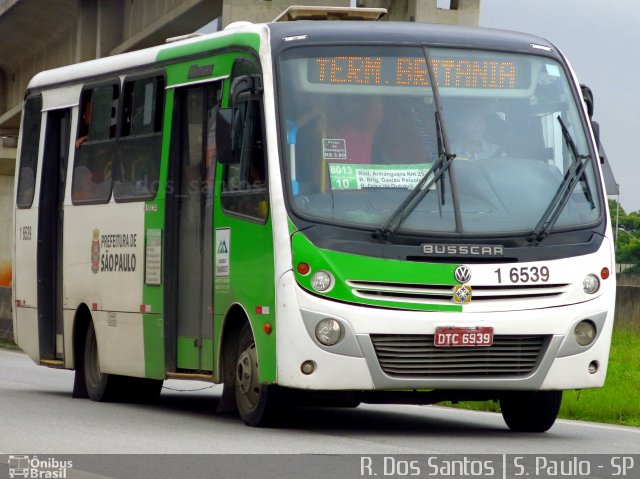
470	142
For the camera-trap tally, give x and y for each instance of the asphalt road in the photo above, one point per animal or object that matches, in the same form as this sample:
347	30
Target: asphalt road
40	417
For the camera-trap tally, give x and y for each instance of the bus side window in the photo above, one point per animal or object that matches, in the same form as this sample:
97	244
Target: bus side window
95	144
244	190
29	151
140	142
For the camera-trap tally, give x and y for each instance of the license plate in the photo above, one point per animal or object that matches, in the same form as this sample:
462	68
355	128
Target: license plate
463	337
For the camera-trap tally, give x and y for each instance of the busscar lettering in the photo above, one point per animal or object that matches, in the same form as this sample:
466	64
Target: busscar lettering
196	71
462	250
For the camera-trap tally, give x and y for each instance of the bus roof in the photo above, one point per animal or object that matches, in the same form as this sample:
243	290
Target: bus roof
131	60
309	31
405	32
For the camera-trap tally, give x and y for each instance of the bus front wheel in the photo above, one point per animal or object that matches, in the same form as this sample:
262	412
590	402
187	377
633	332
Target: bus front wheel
258	404
530	411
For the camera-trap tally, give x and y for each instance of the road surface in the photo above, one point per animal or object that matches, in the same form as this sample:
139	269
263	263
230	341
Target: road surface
40	417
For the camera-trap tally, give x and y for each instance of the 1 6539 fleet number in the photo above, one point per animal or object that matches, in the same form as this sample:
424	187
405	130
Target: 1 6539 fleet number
523	275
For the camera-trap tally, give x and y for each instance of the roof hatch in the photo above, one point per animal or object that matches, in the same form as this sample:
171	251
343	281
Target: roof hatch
300	12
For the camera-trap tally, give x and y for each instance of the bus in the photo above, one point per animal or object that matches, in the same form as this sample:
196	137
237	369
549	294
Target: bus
318	211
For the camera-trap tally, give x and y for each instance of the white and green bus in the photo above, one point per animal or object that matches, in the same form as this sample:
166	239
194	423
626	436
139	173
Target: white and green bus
326	211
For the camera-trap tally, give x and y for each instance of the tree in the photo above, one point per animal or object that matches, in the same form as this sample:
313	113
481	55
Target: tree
628	234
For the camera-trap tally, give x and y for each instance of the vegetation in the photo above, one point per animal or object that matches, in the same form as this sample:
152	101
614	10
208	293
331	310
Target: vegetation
5	344
628	240
617	402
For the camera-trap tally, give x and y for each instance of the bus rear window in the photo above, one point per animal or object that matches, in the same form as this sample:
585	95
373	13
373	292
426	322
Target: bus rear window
29	151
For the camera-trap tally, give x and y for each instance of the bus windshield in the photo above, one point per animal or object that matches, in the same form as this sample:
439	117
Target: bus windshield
360	131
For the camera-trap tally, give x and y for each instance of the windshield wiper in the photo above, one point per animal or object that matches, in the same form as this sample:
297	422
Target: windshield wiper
575	174
437	170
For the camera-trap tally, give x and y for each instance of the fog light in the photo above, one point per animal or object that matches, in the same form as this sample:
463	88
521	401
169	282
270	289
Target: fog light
308	367
322	281
593	367
329	331
590	284
585	333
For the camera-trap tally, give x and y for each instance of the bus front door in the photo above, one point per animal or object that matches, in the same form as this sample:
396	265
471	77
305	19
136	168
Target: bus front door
50	228
190	218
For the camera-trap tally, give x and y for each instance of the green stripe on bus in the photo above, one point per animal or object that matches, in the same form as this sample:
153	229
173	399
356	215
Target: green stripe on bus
352	267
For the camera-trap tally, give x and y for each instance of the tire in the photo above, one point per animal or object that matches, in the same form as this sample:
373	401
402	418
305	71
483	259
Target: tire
105	387
258	404
530	411
101	387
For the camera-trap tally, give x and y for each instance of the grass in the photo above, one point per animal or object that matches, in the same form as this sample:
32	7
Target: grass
615	403
5	344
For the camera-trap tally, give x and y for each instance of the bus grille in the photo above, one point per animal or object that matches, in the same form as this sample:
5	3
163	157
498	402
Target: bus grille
415	356
442	294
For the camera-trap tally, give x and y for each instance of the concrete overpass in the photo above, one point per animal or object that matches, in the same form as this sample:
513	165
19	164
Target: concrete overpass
42	34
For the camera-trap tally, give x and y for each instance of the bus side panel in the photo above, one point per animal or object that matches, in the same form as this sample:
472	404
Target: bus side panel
27	332
25	282
104	269
120	343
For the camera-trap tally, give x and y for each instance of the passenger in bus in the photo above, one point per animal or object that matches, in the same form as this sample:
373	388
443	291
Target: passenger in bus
355	120
406	135
332	129
89	185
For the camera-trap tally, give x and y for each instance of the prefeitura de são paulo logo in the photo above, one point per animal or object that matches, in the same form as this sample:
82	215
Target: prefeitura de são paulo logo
95	251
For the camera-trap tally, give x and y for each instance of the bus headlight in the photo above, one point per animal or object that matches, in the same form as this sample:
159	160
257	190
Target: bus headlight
590	284
322	281
585	332
329	331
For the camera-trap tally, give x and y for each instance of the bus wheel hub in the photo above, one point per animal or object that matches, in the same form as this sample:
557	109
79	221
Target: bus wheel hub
245	372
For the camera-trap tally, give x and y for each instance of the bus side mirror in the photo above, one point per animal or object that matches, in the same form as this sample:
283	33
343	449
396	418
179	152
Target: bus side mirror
229	132
596	133
587	95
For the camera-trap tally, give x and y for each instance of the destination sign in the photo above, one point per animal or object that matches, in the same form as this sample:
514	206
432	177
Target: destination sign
459	72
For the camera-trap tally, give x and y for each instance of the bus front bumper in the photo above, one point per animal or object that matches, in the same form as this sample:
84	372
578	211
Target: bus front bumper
363	359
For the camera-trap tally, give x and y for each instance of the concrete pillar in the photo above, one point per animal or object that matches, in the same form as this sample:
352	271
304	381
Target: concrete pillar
6	232
3	90
109	32
258	11
87	25
6	241
427	11
457	12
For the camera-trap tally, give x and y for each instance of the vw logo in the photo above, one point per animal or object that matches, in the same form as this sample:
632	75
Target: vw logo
462	274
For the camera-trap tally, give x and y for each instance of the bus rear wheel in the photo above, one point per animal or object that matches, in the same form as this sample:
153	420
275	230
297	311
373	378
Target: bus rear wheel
257	403
530	411
100	386
105	387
